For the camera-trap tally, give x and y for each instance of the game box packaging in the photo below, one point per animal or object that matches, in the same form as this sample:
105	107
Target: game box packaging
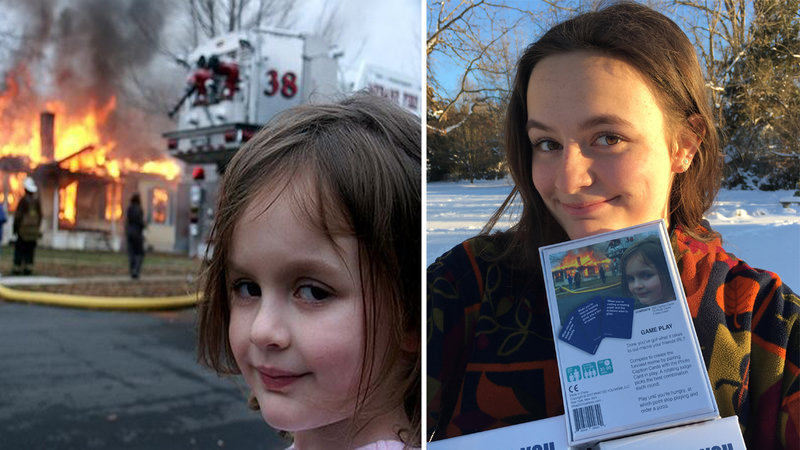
627	351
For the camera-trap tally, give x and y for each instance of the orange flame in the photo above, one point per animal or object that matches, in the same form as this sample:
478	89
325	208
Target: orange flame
166	168
77	133
15	189
67	196
20	135
81	141
585	255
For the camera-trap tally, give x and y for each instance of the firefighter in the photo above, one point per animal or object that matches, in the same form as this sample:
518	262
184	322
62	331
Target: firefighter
134	232
27	221
227	70
3	219
199	82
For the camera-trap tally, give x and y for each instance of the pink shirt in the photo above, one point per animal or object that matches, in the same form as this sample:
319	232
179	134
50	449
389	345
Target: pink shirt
378	445
383	445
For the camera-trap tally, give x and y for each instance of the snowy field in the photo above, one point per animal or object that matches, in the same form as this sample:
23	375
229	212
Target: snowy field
753	224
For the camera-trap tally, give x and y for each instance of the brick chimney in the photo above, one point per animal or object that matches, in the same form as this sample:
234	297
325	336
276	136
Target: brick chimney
47	121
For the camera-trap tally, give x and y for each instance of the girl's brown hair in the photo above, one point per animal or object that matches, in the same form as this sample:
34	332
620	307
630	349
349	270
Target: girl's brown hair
364	155
662	53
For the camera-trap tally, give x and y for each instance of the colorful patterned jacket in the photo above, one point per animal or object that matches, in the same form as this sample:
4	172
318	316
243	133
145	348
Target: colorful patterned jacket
491	358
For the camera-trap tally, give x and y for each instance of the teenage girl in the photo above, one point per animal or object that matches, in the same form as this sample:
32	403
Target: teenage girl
312	290
608	125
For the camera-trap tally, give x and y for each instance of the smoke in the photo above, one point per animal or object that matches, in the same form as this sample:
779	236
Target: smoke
97	42
86	52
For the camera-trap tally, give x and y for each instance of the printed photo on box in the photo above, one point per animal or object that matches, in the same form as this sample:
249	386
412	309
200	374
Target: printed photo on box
599	286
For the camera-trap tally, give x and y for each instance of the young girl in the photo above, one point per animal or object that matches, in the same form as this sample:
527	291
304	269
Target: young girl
312	291
608	126
644	273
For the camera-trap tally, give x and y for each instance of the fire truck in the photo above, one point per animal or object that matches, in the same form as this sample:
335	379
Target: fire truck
238	81
235	84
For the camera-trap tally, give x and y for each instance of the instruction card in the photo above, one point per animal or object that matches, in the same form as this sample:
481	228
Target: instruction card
627	350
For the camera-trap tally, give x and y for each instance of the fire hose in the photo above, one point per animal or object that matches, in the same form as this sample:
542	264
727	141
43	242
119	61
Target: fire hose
93	302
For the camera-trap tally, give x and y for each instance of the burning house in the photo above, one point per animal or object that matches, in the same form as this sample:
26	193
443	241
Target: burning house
84	193
585	261
73	118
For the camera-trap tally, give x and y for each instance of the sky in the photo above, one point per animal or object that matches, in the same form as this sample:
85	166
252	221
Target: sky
449	71
383	33
386	34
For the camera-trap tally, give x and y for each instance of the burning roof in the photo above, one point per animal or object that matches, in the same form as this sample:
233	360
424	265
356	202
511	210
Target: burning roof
80	141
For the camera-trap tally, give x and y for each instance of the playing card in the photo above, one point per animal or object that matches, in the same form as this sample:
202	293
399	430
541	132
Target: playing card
617	317
582	327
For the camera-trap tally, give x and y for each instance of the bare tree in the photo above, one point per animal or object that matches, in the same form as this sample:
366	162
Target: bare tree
202	19
329	23
455	31
477	36
210	18
720	33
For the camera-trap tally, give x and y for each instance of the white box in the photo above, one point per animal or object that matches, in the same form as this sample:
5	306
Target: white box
545	434
627	351
720	434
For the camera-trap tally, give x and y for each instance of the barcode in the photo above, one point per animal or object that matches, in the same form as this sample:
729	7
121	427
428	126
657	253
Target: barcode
587	417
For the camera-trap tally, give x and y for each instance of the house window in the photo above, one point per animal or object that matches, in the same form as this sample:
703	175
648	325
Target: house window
159	206
113	206
67	197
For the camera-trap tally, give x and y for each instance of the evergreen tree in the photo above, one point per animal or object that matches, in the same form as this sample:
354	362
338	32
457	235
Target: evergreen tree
761	115
472	150
440	164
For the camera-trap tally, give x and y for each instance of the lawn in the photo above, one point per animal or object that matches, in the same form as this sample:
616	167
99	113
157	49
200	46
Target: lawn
181	270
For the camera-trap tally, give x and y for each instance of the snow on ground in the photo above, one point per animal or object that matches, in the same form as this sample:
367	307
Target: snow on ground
754	225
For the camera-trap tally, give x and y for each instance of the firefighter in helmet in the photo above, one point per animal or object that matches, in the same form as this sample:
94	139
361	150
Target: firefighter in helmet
199	82
226	71
27	223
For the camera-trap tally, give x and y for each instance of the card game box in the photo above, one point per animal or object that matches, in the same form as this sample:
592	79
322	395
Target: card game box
627	351
719	434
545	434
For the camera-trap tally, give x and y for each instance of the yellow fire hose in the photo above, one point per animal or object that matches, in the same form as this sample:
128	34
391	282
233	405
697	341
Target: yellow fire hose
114	303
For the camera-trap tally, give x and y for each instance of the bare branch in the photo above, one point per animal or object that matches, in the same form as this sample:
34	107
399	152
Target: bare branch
450	23
473	36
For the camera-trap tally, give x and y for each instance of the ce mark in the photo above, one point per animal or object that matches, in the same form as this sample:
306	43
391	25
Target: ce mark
573	388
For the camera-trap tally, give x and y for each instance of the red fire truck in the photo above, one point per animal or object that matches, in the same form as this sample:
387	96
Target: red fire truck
235	84
238	81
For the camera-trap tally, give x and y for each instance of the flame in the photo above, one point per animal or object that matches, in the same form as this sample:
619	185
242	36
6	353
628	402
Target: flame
15	189
66	202
20	135
166	168
160	202
82	142
77	133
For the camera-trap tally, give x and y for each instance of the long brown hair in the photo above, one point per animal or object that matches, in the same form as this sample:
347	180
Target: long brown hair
661	52
364	153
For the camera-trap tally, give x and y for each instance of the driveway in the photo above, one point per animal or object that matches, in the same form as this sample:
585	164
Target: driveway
83	379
